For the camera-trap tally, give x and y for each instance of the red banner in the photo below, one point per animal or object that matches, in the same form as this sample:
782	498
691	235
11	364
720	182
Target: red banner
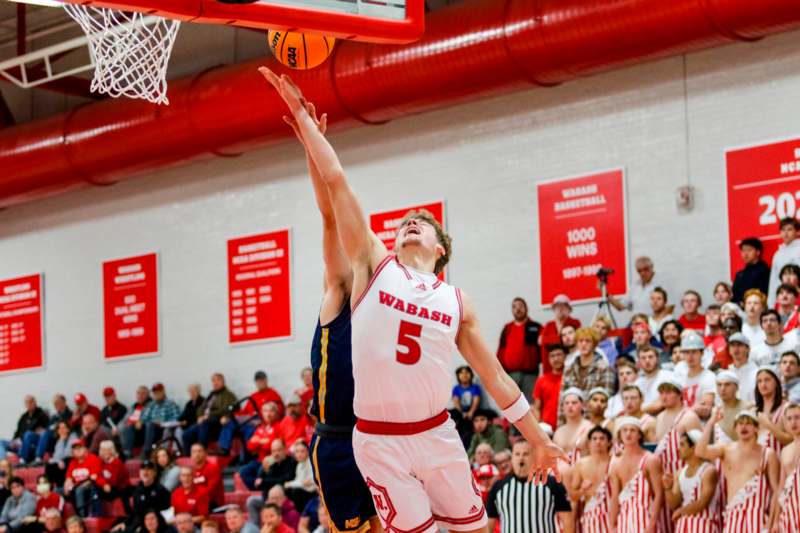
21	323
130	306
385	224
763	187
259	287
582	228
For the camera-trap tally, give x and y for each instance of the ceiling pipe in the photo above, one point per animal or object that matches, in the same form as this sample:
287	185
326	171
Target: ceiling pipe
471	50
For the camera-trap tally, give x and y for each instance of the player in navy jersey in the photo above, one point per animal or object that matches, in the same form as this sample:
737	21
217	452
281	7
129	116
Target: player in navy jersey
341	487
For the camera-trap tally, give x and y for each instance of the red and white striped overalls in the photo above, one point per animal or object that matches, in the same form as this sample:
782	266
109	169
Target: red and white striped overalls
769	439
789	520
594	518
747	511
707	520
671	463
635	501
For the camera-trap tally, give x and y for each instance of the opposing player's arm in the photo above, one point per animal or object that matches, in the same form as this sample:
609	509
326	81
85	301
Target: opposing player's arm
361	245
505	392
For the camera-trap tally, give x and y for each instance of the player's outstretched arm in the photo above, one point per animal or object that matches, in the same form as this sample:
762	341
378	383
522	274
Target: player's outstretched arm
506	394
362	246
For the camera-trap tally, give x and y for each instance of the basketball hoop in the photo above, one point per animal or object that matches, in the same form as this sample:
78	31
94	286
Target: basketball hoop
130	51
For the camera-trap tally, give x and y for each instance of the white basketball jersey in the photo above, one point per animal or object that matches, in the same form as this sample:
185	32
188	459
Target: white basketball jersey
404	329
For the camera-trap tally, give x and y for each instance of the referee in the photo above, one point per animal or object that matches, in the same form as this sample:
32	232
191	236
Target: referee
525	507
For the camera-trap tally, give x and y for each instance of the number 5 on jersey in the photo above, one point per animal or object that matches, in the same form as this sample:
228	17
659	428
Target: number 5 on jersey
407	338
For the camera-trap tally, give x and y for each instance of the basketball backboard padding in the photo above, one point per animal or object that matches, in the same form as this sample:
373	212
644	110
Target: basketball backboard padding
380	21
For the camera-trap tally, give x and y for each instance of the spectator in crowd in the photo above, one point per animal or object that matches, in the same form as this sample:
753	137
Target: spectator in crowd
6	473
323	521
154	523
56	467
755	274
75	524
213	414
47	499
276	469
251	408
697	381
518	350
642	337
260	443
755	302
113	412
82	407
147	495
776	342
626	375
568	337
466	400
639	506
674	419
31	424
188	417
745	370
650	377
589	482
207	475
730	310
276	496
295	425
670	335
93	433
715	355
61	412
770	406
302	488
49	521
236	522
590	369
790	373
83	475
596	406
485	431
572	434
691	494
114	477
722	293
691	317
602	325
183	523
272	518
17	507
306	391
632	398
209	526
639	300
730	405
309	518
786	305
547	392
786	512
552	331
168	471
787	253
131	432
157	414
544	504
790	274
502	460
190	497
749	471
660	311
484	472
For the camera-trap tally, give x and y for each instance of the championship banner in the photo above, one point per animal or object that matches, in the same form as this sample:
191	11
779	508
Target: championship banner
21	323
259	287
385	223
130	306
582	227
763	187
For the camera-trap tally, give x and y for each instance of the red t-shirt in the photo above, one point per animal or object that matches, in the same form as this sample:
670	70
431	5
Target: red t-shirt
552	335
260	397
261	441
697	323
80	471
515	352
306	397
115	473
283	528
293	430
548	390
720	347
52	501
194	502
209	478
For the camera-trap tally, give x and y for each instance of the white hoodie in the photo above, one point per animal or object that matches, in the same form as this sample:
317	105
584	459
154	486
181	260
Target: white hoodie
785	255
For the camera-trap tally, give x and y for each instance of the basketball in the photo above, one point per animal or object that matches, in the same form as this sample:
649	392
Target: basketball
299	51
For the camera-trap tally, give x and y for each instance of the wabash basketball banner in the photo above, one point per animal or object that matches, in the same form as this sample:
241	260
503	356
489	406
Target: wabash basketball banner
21	323
582	228
385	223
763	187
259	287
130	306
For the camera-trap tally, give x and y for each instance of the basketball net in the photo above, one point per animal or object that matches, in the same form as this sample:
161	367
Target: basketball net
130	51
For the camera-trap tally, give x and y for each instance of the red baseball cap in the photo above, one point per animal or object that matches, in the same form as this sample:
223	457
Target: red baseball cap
108	391
79	442
80	398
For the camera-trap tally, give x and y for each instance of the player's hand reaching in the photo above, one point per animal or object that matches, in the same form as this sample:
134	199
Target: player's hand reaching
287	90
545	457
321	122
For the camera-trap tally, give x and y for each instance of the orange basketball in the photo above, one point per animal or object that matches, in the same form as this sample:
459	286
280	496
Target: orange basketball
299	50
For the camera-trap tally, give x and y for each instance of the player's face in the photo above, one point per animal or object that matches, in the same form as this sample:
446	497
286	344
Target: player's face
631	401
599	443
792	421
573	407
598	404
416	232
630	435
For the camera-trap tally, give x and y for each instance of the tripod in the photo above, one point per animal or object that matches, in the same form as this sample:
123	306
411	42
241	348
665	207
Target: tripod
604	306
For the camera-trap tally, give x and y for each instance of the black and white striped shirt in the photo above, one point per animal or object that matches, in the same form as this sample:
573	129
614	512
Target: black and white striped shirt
525	507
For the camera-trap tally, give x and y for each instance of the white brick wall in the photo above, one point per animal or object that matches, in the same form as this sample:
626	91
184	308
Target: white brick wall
483	158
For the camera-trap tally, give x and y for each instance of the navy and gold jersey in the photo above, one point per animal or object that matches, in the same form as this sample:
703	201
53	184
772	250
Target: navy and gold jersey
332	365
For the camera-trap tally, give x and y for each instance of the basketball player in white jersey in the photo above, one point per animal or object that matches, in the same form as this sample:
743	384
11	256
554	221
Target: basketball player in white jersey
406	324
